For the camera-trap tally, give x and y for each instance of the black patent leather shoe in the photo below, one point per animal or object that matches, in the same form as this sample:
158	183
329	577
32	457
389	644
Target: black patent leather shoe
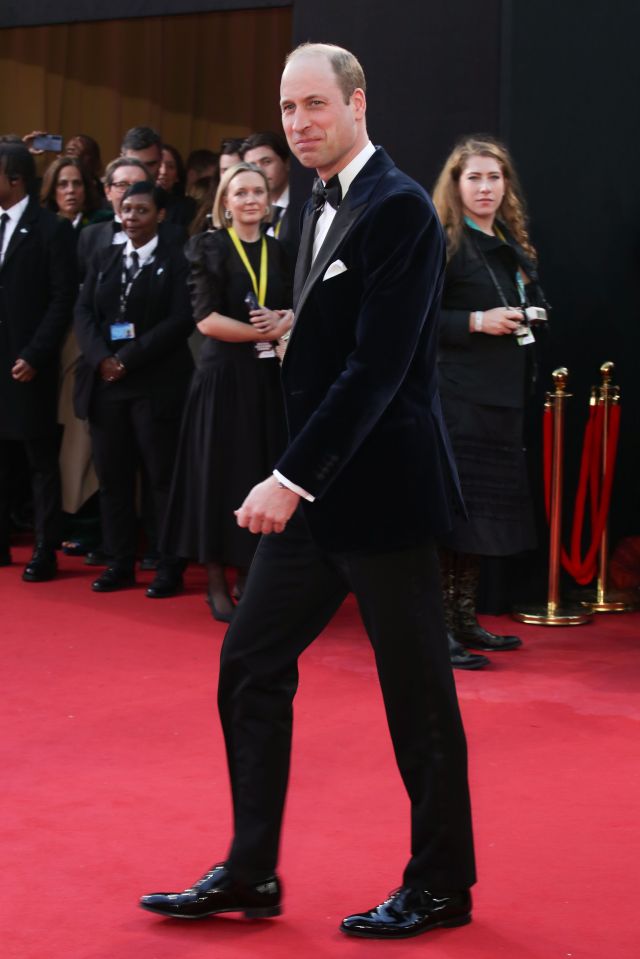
461	658
165	585
410	912
113	579
479	638
42	566
217	892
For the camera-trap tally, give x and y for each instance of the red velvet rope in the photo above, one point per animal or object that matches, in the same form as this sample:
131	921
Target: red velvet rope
584	570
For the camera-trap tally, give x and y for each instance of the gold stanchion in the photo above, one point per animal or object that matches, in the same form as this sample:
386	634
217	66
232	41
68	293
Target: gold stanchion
554	613
602	599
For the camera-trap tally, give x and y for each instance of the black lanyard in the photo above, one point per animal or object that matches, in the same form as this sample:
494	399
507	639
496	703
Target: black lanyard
126	282
496	282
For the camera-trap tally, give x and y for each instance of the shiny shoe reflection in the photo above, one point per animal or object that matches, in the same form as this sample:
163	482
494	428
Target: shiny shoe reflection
215	893
410	912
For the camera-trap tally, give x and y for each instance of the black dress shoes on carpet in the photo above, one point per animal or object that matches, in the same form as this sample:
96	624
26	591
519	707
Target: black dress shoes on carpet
410	912
113	579
165	584
218	892
478	638
42	566
462	658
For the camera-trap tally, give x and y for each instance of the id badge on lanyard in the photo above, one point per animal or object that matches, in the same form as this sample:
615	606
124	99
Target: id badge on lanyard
123	330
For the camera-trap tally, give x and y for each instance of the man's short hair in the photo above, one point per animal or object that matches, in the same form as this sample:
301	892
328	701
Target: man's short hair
200	160
346	66
267	139
140	138
119	162
16	161
148	188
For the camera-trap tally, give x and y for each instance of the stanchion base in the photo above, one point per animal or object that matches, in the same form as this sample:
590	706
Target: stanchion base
608	600
551	614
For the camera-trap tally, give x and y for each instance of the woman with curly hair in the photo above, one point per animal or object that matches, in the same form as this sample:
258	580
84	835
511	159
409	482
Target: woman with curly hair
486	368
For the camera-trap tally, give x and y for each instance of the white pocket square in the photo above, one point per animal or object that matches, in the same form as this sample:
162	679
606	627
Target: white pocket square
335	269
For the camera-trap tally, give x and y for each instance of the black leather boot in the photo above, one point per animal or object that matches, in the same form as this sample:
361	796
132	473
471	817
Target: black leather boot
469	632
459	656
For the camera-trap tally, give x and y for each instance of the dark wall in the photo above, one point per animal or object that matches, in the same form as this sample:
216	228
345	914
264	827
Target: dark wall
433	69
29	13
571	95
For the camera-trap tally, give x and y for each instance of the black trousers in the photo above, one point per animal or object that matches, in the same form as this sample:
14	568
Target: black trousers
292	592
42	458
125	433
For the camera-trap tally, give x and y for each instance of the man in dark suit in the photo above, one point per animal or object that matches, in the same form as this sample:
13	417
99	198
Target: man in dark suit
365	484
37	289
269	151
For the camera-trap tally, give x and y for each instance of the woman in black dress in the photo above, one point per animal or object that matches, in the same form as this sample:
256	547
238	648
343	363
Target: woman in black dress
233	428
486	366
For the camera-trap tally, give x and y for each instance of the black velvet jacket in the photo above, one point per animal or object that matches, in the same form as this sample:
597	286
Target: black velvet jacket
367	436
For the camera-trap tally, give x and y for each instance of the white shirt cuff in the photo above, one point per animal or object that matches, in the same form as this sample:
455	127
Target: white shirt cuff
292	486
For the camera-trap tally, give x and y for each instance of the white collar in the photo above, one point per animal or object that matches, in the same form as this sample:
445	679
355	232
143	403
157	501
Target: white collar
144	252
352	169
283	199
16	211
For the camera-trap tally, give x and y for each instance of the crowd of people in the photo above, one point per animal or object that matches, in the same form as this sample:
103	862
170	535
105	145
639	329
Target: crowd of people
145	316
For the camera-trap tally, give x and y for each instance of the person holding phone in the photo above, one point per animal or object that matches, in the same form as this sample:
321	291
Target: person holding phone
486	365
132	321
233	428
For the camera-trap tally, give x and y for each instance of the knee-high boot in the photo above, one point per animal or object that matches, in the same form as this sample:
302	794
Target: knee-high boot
468	631
459	656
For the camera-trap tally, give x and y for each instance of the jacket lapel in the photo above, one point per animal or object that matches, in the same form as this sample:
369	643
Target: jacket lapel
348	214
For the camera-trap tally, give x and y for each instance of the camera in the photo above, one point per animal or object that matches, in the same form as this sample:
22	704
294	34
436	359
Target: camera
536	314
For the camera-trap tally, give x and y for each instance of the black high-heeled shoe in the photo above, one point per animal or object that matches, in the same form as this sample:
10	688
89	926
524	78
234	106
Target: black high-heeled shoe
218	614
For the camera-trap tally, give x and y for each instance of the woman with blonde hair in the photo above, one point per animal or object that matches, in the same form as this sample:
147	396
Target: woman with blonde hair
233	428
486	369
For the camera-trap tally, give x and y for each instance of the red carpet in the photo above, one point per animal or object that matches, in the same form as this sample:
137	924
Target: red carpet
115	784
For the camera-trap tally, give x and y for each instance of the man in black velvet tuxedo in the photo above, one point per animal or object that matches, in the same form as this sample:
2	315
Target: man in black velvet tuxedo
37	290
354	504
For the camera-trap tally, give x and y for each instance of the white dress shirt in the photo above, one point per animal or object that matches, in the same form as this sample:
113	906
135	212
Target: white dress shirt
14	213
145	253
281	204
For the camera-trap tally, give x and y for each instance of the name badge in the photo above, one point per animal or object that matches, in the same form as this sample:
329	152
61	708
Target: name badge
123	331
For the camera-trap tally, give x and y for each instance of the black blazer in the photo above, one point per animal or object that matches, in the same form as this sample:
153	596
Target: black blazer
38	284
367	436
98	236
158	360
491	370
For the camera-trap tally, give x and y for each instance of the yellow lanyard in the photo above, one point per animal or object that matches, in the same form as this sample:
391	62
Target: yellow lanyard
260	289
276	230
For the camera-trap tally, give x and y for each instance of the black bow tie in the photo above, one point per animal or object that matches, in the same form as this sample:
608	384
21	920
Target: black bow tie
331	193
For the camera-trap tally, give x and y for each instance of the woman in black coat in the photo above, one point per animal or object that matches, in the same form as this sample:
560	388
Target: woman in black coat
486	365
132	320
